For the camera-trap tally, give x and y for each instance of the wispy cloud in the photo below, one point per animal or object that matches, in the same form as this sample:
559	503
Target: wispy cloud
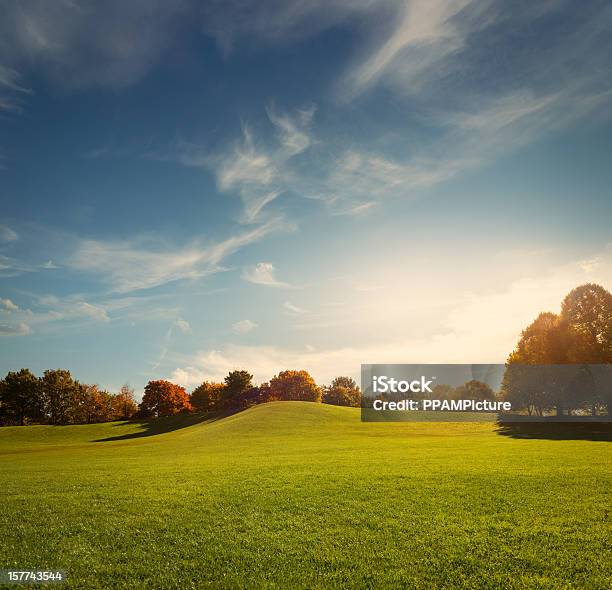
93	311
183	325
11	267
7	234
425	33
437	59
180	324
10	79
232	22
245	165
293	132
131	265
53	309
243	327
465	132
263	273
20	329
11	90
165	345
434	55
257	169
292	309
262	174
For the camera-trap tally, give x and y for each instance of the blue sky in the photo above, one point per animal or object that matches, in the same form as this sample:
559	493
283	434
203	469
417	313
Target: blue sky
190	187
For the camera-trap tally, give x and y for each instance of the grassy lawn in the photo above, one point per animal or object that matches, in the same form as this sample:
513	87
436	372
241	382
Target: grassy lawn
299	495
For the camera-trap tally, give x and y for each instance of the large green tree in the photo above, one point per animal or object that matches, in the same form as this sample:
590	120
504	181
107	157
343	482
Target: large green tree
60	395
20	398
237	384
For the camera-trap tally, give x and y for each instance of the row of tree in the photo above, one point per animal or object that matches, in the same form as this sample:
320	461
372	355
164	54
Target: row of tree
57	398
581	336
237	392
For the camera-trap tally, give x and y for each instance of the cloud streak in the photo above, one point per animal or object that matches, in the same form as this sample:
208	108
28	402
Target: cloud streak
20	329
130	265
7	234
424	35
292	309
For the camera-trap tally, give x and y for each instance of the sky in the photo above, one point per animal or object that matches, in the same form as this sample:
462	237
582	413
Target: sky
188	188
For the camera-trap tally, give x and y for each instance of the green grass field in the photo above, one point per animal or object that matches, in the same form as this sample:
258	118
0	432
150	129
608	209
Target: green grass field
300	495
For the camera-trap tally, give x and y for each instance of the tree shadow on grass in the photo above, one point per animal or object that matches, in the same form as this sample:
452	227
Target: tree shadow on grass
157	426
601	431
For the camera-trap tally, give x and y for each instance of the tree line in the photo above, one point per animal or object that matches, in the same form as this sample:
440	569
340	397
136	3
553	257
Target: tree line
57	398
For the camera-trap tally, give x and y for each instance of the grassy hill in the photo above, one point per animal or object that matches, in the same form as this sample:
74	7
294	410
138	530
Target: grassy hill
301	495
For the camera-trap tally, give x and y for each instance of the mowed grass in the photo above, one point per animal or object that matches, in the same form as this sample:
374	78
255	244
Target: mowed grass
300	495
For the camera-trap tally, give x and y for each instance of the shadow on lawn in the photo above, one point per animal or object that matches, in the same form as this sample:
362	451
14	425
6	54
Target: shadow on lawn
162	425
557	430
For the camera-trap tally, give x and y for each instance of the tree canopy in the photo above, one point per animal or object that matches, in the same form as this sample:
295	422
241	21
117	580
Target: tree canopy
20	399
163	398
294	386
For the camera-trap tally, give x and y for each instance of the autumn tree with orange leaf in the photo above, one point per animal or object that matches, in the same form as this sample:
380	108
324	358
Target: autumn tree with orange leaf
294	386
163	398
